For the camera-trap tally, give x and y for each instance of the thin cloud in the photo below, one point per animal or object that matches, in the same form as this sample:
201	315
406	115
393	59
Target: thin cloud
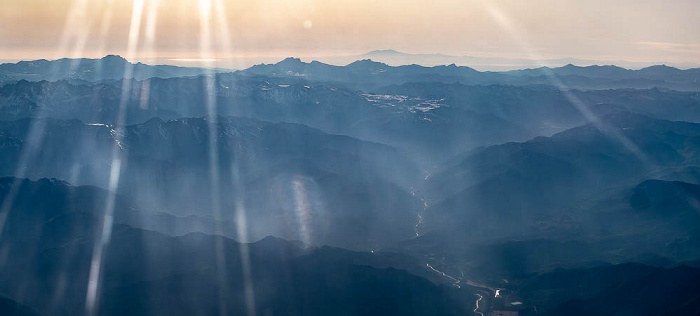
669	45
194	59
683	48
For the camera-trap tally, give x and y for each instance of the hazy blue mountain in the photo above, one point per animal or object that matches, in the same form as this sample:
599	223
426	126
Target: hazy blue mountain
93	103
573	199
652	217
279	172
535	110
568	190
144	272
410	123
368	74
110	67
56	194
364	73
652	222
628	147
652	76
430	121
548	109
607	71
665	198
397	58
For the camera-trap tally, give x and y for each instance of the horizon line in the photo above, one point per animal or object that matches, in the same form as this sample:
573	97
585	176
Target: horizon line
270	60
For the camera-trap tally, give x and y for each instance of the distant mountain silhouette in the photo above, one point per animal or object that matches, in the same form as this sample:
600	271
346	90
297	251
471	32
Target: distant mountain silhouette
585	157
658	73
111	67
367	75
396	58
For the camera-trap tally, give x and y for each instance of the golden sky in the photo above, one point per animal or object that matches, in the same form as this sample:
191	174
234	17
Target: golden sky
633	30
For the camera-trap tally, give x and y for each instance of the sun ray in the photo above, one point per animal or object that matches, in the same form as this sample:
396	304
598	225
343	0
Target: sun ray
149	49
507	25
212	120
102	239
35	134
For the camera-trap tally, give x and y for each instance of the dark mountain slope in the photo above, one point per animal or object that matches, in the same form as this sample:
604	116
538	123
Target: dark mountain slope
577	198
629	146
629	289
145	272
9	307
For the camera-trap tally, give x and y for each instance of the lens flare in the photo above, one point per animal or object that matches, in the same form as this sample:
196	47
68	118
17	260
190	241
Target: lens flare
302	208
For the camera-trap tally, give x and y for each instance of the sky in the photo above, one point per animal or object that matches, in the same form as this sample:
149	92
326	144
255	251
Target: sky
202	31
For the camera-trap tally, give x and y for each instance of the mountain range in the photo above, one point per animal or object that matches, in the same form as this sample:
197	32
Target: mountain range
278	170
300	188
367	74
396	58
147	272
111	67
427	120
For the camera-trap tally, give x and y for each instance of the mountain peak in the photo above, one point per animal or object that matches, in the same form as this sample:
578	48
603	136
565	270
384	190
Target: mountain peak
114	58
662	67
385	52
367	63
290	61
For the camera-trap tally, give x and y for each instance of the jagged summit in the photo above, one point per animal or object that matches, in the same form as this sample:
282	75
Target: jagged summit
290	60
